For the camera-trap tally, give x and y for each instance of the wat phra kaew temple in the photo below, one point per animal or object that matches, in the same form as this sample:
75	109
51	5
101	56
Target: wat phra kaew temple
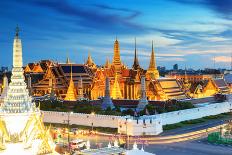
70	81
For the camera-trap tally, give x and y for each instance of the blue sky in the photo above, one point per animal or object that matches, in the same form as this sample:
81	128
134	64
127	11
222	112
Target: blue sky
188	32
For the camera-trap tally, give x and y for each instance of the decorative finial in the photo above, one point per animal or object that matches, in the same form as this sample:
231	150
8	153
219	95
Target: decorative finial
71	71
152	44
17	31
135	43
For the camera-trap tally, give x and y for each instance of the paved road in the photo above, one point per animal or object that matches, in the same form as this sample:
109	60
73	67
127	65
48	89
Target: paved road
189	148
195	147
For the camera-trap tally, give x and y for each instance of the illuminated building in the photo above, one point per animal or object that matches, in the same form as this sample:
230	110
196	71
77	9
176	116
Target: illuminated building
205	85
57	77
4	88
125	83
21	126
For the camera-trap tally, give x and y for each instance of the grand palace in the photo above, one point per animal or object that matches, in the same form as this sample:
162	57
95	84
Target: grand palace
70	81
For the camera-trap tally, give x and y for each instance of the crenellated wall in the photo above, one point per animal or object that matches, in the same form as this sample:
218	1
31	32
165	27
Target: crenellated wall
82	119
145	125
195	113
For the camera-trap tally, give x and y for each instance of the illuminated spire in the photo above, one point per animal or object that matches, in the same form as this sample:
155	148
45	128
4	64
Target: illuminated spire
17	31
152	70
17	99
143	99
107	64
116	59
68	61
107	102
71	94
80	95
116	91
90	61
17	50
136	61
152	64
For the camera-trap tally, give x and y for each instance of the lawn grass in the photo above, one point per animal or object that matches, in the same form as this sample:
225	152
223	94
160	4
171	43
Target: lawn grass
195	121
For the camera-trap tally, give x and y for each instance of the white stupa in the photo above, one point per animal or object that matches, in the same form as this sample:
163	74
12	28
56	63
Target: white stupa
21	124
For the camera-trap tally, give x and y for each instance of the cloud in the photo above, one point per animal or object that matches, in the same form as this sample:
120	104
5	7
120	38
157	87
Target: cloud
172	59
133	13
93	16
221	7
214	39
223	59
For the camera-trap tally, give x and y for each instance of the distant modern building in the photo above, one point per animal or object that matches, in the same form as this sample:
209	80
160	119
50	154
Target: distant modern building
175	67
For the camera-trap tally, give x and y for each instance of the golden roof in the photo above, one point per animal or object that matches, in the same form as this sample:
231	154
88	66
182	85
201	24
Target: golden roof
27	69
37	68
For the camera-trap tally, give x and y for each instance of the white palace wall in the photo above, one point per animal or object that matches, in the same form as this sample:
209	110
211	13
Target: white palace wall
145	125
81	119
195	113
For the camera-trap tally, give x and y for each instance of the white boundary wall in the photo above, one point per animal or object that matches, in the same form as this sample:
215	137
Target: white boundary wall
81	119
195	113
149	125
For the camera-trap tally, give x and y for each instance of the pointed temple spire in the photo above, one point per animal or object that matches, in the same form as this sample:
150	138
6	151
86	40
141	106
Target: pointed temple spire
80	95
17	31
116	91
71	94
152	64
89	62
116	59
152	70
136	61
107	64
107	102
143	99
68	61
15	102
17	50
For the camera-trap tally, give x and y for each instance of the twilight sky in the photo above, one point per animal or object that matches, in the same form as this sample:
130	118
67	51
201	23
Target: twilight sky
188	32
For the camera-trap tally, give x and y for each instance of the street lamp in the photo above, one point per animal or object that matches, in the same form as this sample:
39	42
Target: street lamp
127	137
68	122
92	113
